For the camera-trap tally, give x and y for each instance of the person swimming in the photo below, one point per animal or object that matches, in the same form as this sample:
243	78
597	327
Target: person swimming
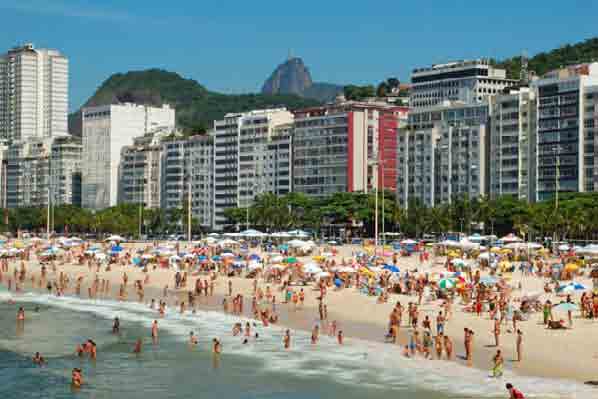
192	339
38	359
77	378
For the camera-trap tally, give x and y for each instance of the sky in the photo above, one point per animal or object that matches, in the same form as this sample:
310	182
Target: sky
233	46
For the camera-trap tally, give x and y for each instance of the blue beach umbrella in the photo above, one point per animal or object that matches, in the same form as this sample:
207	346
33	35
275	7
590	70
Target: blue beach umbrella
391	268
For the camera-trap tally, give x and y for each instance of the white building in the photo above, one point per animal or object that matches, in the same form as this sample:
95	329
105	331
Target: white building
240	176
140	170
442	154
40	167
465	81
33	93
512	166
106	130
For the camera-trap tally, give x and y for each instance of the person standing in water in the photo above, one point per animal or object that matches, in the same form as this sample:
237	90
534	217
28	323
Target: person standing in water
138	346
155	331
287	339
21	314
76	378
116	326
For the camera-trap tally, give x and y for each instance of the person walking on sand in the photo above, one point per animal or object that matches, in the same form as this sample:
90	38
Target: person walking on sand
498	363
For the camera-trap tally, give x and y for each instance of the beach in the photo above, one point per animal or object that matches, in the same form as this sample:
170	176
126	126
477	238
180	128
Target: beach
555	362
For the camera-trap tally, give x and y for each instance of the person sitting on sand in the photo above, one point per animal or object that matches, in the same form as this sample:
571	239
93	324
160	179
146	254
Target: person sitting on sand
514	393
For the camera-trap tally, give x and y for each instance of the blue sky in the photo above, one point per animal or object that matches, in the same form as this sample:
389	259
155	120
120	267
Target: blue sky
233	46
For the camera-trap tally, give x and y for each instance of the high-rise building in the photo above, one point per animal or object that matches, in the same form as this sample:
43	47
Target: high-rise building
140	170
106	130
442	154
512	144
590	126
339	147
564	152
39	169
249	149
465	81
187	167
33	93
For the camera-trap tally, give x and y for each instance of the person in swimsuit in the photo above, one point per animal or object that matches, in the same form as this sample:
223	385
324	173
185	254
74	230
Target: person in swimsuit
192	339
498	362
116	326
340	337
216	347
21	314
77	378
514	393
138	345
287	339
155	331
38	359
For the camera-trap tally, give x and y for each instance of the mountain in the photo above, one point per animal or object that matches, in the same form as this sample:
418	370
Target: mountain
196	107
293	77
541	63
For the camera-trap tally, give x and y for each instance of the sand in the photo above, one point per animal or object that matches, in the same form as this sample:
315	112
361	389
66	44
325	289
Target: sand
570	354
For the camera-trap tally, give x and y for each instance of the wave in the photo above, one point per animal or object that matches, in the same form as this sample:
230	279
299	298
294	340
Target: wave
365	363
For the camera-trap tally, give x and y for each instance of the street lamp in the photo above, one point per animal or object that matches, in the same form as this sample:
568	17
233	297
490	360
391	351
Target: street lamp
374	163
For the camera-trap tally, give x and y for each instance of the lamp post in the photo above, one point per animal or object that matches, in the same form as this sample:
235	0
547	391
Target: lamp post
374	163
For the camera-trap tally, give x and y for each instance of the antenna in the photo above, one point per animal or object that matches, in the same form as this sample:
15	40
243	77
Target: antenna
524	73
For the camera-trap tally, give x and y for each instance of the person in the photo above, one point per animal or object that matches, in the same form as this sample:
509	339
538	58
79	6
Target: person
519	345
514	393
287	339
192	339
138	345
116	326
448	347
77	378
21	314
38	359
155	331
339	337
498	362
216	347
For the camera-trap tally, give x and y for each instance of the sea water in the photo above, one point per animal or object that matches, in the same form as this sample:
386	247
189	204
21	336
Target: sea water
259	369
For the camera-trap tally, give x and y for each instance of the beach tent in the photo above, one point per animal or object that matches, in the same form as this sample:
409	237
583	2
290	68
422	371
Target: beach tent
227	241
311	268
252	233
298	233
296	243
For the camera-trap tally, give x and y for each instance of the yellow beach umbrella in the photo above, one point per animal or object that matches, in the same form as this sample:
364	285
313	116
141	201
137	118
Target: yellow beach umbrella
495	250
19	244
571	267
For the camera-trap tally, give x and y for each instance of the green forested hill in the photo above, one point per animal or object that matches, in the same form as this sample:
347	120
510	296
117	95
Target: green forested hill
541	63
196	106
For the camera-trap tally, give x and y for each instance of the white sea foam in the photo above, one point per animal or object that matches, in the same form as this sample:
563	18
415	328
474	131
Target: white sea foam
359	362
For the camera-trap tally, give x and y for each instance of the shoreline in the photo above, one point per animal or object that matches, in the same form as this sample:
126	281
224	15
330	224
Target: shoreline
352	323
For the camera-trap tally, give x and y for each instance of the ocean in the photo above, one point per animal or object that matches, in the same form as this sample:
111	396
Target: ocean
259	369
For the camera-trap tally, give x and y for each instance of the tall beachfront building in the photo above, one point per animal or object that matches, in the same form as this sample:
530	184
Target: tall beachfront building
565	141
106	130
512	144
33	93
442	154
347	146
466	81
252	155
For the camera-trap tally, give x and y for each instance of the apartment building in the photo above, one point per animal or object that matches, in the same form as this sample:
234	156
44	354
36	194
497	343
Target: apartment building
249	148
346	146
512	145
106	130
564	151
466	81
33	93
442	154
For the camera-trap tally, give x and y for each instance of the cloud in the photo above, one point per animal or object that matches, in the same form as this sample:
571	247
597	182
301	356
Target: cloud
65	9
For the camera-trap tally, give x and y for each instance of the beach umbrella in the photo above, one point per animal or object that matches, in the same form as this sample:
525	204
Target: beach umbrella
322	274
276	258
254	257
391	268
277	266
566	307
175	258
115	238
488	280
227	255
147	256
291	259
311	268
116	248
296	243
571	287
571	267
447	283
346	269
254	266
458	262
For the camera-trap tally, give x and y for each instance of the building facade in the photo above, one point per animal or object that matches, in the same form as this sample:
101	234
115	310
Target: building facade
564	151
106	130
248	150
39	170
346	146
512	145
187	167
464	81
442	154
33	93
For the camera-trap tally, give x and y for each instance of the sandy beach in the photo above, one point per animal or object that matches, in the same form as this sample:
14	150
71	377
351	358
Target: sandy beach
569	354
